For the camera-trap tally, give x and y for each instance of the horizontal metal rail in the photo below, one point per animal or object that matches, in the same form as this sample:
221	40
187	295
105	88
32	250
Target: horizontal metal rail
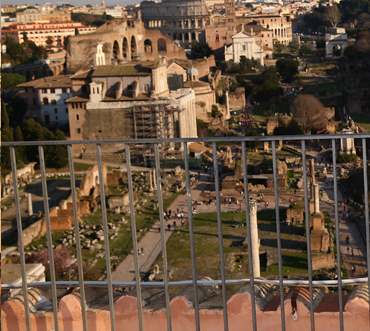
185	140
316	283
332	141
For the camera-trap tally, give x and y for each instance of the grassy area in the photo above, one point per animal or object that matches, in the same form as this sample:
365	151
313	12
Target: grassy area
81	166
235	254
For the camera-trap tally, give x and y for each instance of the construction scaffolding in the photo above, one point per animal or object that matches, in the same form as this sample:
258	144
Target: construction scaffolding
156	120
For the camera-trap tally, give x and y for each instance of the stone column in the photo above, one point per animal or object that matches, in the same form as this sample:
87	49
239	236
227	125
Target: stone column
254	239
150	181
154	179
312	173
227	105
317	199
29	205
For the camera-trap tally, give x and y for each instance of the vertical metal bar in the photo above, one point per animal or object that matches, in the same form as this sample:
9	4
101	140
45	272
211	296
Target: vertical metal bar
339	265
366	195
163	239
77	235
220	236
49	237
20	238
192	242
308	232
277	213
249	237
134	238
106	237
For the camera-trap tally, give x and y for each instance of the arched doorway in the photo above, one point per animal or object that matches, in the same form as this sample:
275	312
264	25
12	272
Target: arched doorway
115	50
162	45
133	48
125	48
148	46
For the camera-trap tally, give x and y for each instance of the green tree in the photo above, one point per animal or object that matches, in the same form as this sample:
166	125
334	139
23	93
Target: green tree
6	136
55	156
25	38
279	47
294	47
4	117
292	128
248	65
49	40
287	68
200	50
9	81
255	143
266	86
17	108
214	111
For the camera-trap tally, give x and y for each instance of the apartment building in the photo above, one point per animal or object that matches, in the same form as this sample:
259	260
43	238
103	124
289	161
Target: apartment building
39	32
34	15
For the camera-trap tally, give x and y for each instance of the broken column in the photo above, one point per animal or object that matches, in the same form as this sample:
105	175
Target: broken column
317	199
154	179
312	173
29	205
150	181
254	239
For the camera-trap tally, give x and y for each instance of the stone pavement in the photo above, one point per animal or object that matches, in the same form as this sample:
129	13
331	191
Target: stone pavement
346	228
151	242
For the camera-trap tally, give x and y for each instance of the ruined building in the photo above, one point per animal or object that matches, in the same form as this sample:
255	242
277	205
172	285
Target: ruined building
123	40
183	21
131	100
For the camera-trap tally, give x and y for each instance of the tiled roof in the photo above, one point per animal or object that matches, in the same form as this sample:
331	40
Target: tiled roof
130	69
49	82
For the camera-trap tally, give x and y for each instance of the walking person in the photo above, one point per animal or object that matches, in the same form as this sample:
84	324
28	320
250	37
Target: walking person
169	227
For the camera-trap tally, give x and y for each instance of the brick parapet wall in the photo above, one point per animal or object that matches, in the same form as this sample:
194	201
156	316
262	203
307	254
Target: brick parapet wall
356	314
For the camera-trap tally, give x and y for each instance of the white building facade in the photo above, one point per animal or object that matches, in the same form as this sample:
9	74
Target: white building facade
243	44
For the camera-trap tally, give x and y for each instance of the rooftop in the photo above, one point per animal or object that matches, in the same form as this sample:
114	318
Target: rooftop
49	82
129	69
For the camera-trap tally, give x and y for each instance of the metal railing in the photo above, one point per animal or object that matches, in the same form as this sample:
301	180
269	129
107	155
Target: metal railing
166	283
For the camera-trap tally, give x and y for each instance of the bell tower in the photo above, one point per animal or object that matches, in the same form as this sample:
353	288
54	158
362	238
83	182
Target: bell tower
230	18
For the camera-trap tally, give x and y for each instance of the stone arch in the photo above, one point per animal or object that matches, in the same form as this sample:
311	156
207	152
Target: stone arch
115	50
133	47
162	45
125	48
186	35
148	47
180	36
193	37
174	36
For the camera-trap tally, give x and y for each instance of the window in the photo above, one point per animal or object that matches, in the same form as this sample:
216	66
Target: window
64	90
217	37
45	101
53	102
243	47
78	130
55	111
77	117
34	101
224	37
66	110
262	35
73	105
52	90
44	90
56	118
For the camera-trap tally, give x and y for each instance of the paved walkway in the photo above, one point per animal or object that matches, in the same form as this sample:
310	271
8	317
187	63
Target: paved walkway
151	242
348	228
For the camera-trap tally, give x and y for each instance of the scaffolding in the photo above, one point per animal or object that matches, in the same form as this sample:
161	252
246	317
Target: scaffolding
156	120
